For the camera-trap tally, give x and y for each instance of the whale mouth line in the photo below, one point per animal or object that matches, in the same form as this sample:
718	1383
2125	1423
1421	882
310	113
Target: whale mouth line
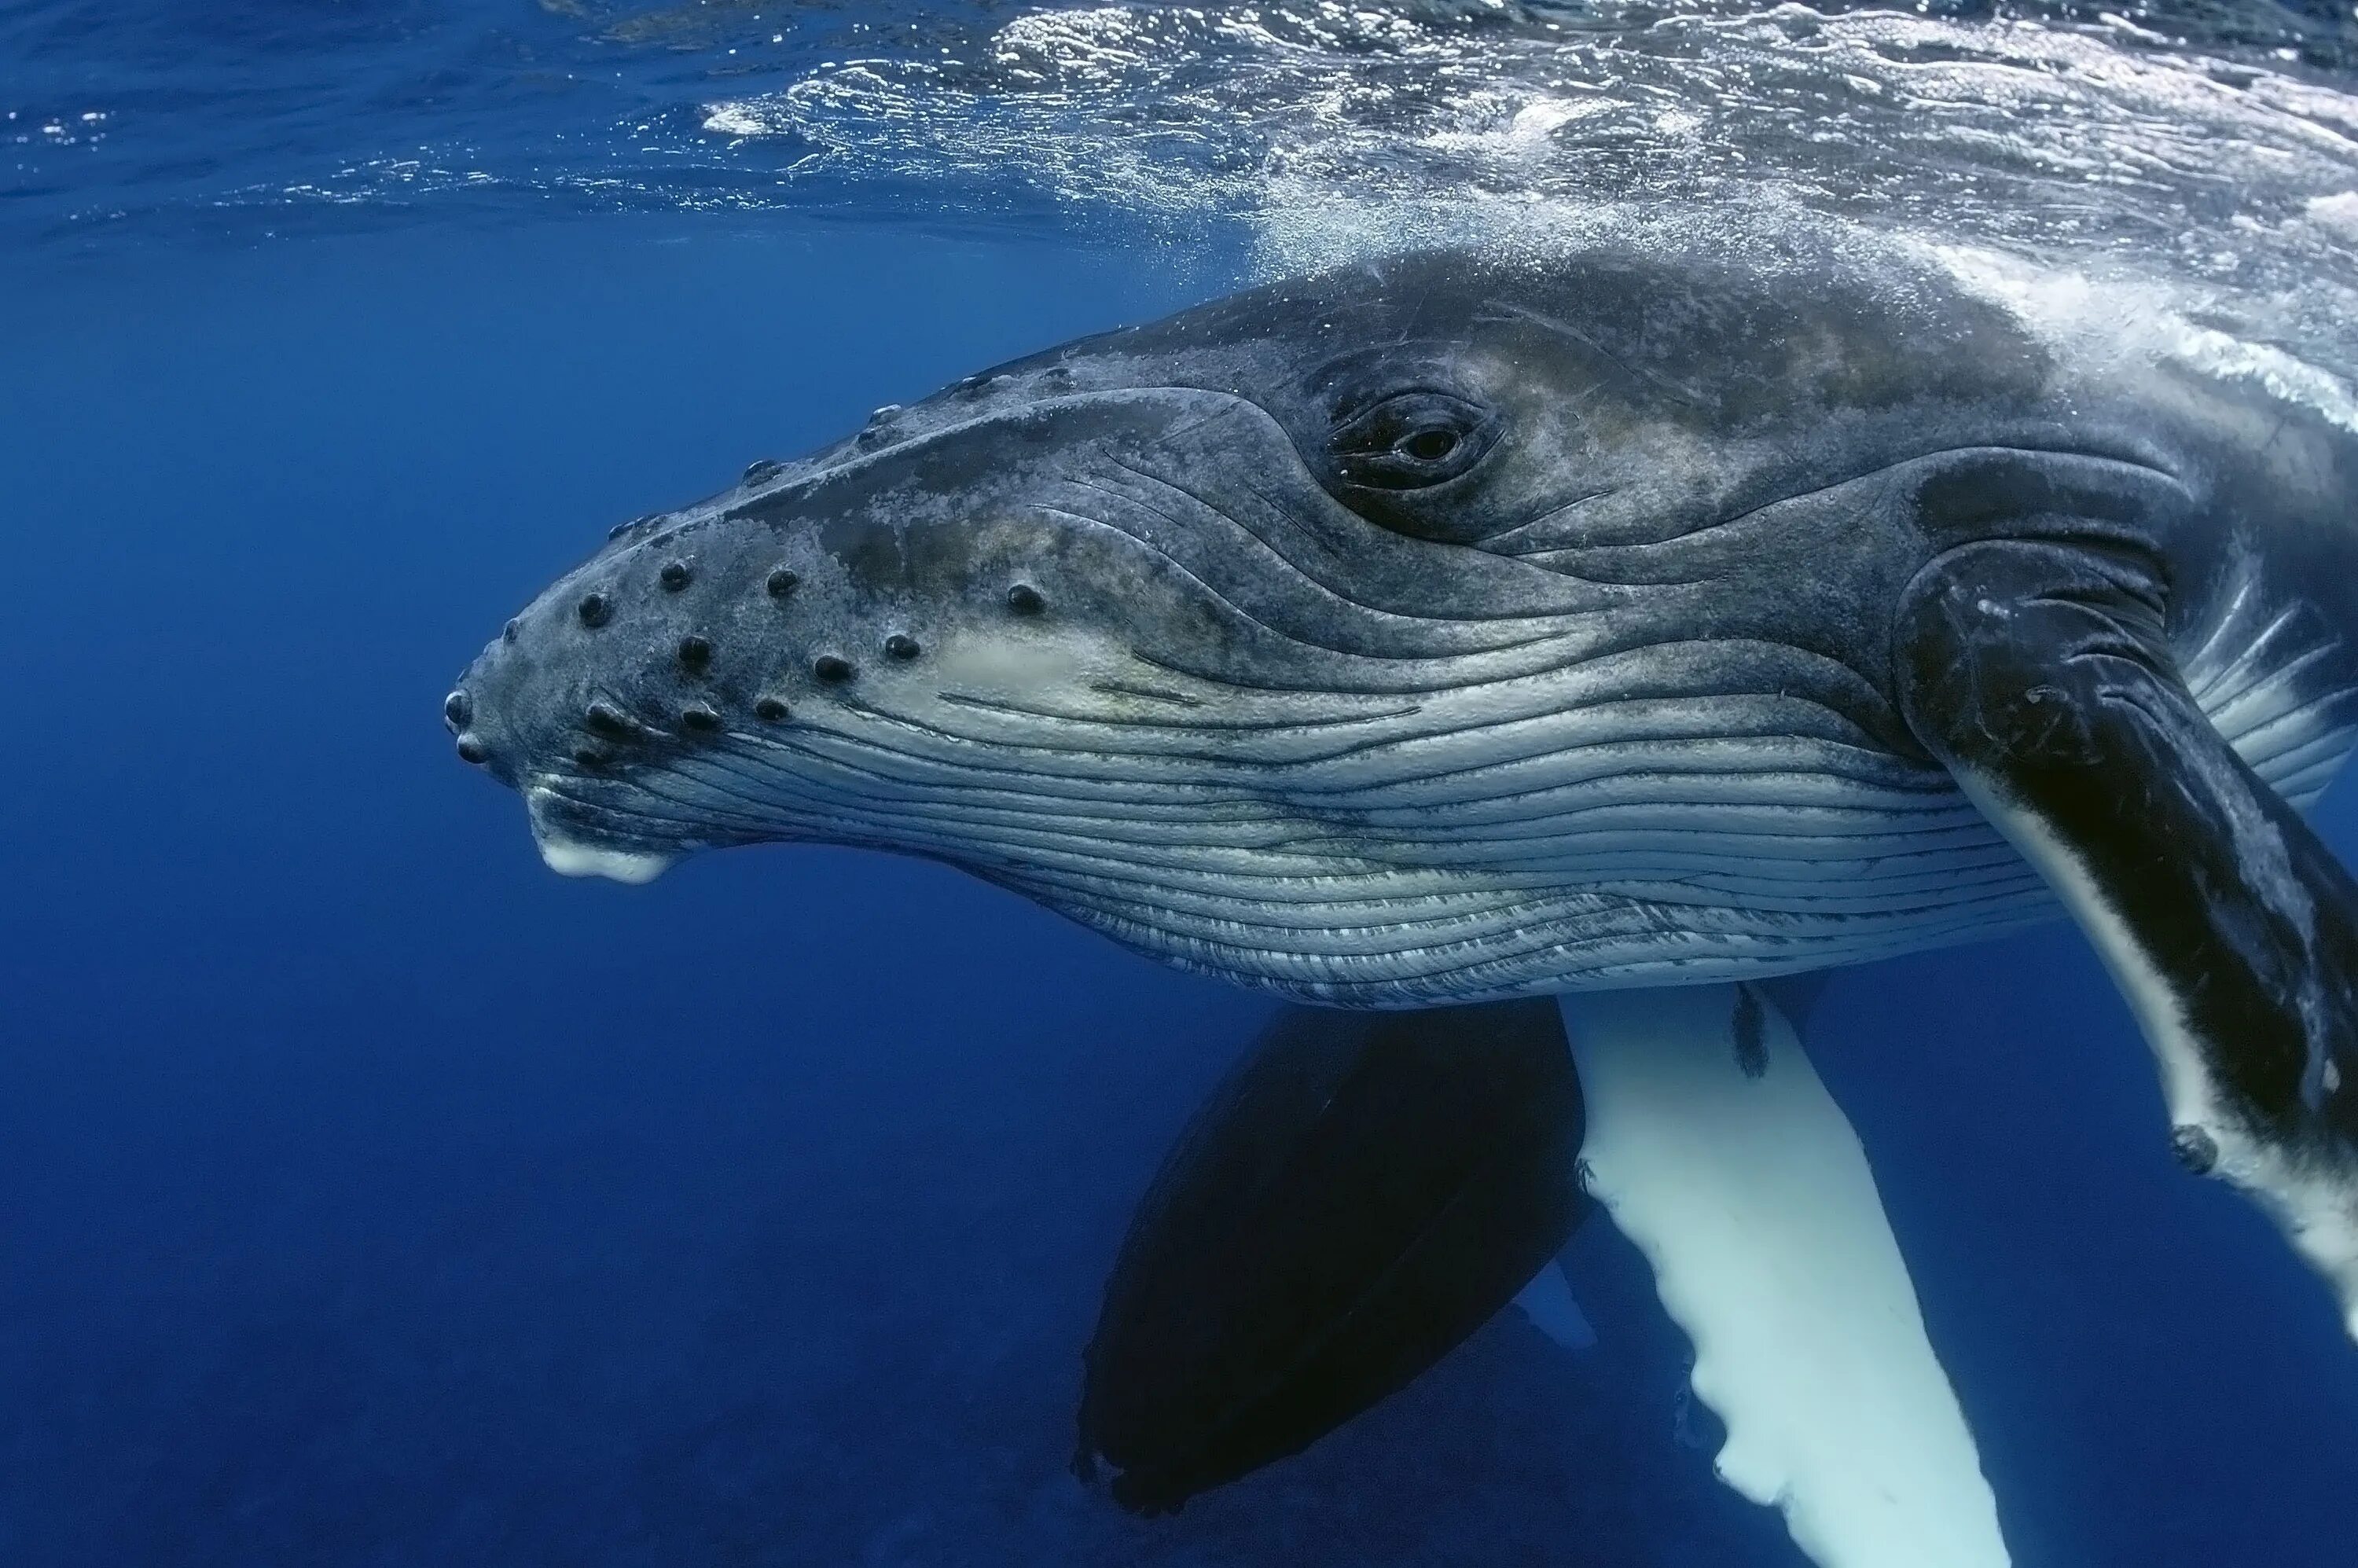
1241	726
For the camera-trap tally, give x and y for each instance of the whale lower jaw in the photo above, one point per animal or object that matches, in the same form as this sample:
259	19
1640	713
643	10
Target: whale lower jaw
1786	857
1740	904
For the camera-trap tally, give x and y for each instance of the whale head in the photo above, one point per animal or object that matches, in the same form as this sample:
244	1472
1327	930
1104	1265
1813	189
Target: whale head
1415	630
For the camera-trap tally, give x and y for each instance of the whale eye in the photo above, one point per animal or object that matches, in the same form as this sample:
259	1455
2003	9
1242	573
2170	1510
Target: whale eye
1409	440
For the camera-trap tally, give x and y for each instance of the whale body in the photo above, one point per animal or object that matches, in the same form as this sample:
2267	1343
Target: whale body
1462	627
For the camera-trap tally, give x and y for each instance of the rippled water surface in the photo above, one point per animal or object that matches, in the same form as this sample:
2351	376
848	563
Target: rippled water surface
2214	146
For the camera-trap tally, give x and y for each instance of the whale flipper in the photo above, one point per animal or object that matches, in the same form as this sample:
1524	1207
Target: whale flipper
2038	670
1360	1194
1717	1150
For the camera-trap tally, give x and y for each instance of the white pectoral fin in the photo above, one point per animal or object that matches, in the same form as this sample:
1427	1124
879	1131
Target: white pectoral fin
1717	1150
1549	1303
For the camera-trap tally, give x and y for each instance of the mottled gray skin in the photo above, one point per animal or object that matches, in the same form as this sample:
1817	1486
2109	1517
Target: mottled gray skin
1437	629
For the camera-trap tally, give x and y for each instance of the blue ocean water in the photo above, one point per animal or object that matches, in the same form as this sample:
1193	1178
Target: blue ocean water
370	1196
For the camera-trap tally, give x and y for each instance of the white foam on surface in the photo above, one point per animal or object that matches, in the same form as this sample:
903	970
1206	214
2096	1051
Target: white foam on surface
2093	317
1752	1200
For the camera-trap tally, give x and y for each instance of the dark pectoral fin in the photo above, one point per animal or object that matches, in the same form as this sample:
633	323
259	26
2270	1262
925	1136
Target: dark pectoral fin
1362	1193
2036	670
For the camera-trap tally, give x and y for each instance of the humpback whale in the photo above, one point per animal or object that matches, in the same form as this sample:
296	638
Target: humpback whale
1629	625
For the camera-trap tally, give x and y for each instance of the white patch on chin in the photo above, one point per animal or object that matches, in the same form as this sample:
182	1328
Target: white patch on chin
570	857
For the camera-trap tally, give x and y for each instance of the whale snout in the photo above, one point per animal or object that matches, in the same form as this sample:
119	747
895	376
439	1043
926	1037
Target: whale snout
671	694
655	645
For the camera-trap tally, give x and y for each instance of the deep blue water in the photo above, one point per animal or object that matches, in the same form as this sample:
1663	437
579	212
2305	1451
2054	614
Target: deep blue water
369	1195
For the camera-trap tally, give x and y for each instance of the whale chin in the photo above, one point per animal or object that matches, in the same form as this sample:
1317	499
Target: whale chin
571	856
615	865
